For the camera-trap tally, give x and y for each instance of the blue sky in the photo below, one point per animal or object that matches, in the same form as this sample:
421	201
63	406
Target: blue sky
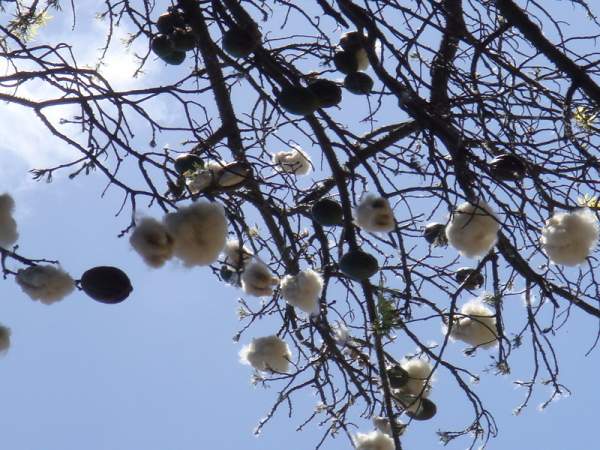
161	371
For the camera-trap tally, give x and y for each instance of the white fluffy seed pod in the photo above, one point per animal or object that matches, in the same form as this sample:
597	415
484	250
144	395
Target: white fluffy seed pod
568	238
303	290
383	425
4	339
236	256
203	178
268	354
418	371
375	440
257	279
48	284
374	214
232	174
473	229
476	325
152	241
199	232
295	161
8	226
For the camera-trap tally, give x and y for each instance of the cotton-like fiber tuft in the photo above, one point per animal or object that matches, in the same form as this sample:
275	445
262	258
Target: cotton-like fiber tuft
295	161
375	440
152	241
374	214
476	325
267	354
236	255
257	279
199	232
48	284
4	339
418	371
8	226
569	238
303	290
203	178
473	229
383	425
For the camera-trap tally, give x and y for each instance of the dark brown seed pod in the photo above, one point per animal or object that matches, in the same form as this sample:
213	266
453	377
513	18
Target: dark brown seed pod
508	167
345	62
359	265
358	83
435	234
167	22
188	162
327	212
240	43
298	100
327	92
397	376
106	284
183	40
426	410
162	45
471	278
353	41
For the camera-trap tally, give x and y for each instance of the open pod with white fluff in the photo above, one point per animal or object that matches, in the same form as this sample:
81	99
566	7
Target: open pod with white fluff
258	280
8	225
267	354
374	440
151	240
475	325
473	229
375	214
303	290
48	284
295	161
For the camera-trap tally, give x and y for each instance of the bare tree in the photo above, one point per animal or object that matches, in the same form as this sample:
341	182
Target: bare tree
461	119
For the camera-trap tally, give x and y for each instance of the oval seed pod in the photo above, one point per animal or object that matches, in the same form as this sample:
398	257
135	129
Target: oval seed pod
359	265
327	212
471	278
358	83
435	234
298	100
106	284
508	167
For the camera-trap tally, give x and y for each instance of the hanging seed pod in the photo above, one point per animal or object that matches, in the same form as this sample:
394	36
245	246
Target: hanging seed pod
353	41
425	410
167	22
106	284
345	62
183	39
435	234
175	58
358	265
298	100
162	45
471	278
327	212
240	43
358	83
327	92
397	376
508	167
